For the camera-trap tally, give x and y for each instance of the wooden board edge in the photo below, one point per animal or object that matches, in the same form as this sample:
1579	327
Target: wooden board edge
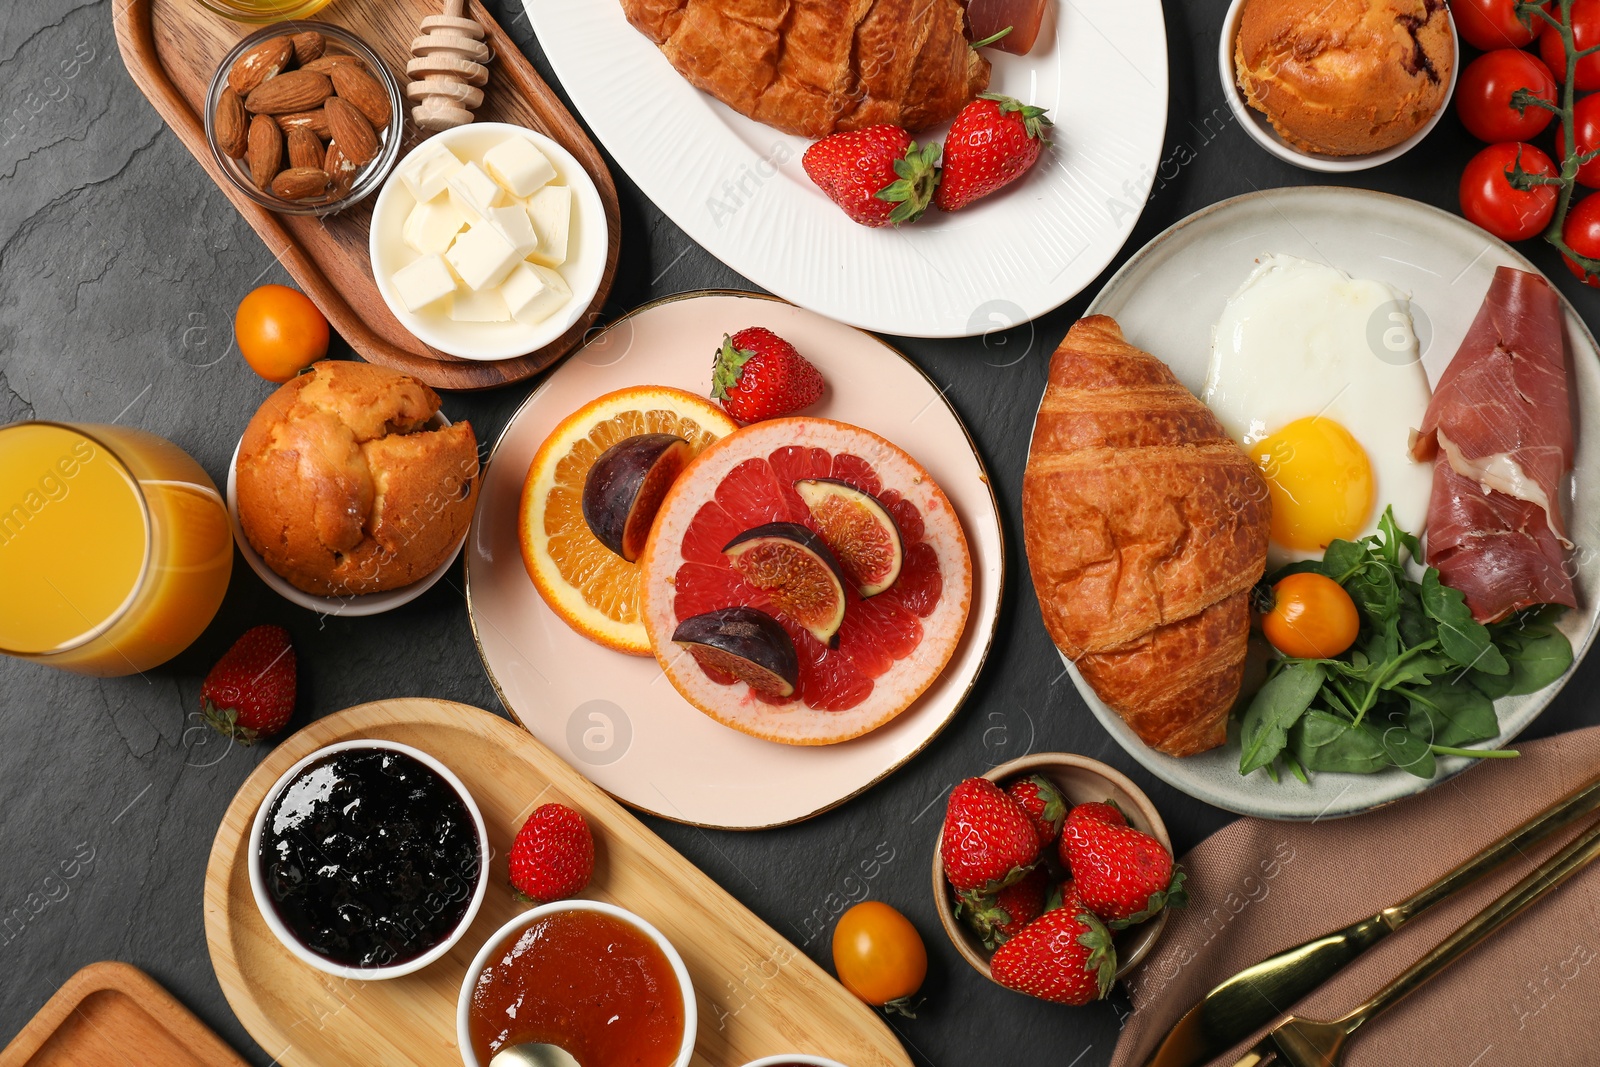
225	847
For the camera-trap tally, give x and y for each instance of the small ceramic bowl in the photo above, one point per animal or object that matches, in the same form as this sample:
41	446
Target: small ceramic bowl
794	1058
258	887
357	606
586	250
368	179
1080	780
470	980
1260	130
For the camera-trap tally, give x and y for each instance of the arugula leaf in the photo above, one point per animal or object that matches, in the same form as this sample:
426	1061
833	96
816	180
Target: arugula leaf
1274	709
1463	638
1325	742
1538	656
1342	559
1395	538
1451	713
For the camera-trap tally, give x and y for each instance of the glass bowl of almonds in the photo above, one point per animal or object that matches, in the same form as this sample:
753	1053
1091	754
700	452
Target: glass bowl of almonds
304	118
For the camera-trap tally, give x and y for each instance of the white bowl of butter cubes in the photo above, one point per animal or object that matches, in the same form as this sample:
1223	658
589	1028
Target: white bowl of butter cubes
488	241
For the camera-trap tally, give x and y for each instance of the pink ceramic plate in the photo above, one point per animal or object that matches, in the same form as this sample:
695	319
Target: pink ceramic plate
615	717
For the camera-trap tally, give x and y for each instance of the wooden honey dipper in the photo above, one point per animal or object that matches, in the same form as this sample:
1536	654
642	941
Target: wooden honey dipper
448	72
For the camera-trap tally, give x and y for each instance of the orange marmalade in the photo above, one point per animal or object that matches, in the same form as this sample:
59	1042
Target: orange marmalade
591	983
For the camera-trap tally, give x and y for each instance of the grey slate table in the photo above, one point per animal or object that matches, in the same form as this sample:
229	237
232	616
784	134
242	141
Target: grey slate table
120	267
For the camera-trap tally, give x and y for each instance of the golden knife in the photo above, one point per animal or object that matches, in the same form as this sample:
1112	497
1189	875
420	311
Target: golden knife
1241	1005
1297	1042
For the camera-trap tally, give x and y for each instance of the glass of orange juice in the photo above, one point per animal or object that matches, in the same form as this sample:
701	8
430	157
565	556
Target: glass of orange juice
114	547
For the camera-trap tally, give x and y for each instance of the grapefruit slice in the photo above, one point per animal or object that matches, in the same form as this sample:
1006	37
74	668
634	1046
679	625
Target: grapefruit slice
593	589
890	647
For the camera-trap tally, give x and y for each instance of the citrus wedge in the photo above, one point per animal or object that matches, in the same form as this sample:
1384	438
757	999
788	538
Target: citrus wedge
887	650
594	590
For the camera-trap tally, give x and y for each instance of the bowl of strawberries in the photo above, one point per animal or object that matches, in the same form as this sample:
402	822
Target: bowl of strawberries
1054	876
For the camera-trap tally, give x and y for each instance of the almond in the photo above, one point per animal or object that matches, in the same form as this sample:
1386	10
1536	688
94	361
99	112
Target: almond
298	90
315	121
340	169
358	87
308	46
231	124
264	155
325	63
265	60
304	148
300	183
351	131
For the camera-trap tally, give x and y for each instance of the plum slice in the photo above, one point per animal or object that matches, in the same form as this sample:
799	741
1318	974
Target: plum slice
796	571
746	643
624	488
858	529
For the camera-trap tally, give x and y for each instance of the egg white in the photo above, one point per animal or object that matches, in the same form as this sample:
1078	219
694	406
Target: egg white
1303	339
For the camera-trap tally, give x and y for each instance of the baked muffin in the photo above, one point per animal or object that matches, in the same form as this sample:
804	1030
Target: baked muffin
343	490
1344	77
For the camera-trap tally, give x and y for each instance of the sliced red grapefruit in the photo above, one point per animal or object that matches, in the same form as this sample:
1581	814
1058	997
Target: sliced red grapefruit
890	647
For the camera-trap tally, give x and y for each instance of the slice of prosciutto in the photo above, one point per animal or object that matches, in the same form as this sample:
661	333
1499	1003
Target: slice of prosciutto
1499	429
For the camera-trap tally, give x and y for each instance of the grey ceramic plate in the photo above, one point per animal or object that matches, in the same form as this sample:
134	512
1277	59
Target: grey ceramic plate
1167	298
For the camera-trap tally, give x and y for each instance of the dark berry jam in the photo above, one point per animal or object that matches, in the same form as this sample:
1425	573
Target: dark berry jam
370	857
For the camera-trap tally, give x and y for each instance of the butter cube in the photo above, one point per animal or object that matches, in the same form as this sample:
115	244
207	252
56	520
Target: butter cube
518	166
432	225
482	256
474	192
550	210
422	282
515	225
426	174
486	305
533	293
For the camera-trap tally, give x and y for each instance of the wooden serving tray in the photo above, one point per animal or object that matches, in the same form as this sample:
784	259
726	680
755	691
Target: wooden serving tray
758	994
172	49
113	1013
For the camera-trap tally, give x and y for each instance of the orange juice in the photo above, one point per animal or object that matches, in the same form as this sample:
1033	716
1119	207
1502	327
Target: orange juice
114	547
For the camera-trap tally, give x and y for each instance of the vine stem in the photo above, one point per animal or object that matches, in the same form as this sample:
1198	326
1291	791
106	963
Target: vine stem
1571	160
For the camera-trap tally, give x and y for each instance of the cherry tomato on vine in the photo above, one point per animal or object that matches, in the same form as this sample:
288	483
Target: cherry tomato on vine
1586	135
1491	24
1586	34
1312	617
1483	96
1581	232
280	332
879	956
1489	200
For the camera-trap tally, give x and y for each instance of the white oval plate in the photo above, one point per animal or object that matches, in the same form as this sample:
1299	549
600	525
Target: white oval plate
1167	298
737	187
615	717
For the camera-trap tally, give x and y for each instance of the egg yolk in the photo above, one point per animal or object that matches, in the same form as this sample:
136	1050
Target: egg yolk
1321	483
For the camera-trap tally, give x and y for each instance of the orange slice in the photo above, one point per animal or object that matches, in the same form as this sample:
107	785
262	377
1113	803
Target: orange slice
595	591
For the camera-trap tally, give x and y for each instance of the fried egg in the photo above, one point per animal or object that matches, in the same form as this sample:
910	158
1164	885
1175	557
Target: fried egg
1318	375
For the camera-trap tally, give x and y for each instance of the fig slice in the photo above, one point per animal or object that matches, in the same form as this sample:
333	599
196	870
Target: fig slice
794	567
858	529
746	643
624	489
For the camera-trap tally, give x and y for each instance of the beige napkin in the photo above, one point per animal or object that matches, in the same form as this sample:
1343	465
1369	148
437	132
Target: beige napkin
1528	995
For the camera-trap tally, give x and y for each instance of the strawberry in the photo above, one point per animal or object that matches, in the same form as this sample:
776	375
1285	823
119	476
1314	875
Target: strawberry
993	142
1064	895
1043	802
758	375
1124	876
1106	812
988	842
1065	956
877	174
998	917
553	855
249	694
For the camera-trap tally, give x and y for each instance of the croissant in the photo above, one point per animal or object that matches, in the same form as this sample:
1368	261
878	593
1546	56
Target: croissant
1145	527
814	67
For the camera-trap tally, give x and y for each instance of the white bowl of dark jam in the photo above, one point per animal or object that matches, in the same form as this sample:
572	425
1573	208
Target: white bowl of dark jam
368	859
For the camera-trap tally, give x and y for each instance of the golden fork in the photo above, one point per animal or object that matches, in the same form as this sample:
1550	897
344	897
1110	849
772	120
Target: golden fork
1297	1042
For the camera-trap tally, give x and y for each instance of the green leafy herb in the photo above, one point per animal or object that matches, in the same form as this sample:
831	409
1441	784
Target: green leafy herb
1420	681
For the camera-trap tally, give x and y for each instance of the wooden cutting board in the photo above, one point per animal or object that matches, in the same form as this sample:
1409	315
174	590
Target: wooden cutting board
116	1015
172	48
758	994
